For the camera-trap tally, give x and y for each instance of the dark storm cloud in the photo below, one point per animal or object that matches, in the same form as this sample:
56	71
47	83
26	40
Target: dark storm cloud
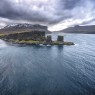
47	12
87	22
7	10
13	11
69	4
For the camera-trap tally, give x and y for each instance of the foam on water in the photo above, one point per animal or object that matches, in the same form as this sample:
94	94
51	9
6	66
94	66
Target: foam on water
3	44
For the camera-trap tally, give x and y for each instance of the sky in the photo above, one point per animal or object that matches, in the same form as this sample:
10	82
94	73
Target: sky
56	14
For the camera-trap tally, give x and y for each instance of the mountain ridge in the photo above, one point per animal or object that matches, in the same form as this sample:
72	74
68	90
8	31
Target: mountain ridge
23	28
90	29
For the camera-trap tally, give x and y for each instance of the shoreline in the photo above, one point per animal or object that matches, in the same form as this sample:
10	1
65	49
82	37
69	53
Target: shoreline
31	42
34	38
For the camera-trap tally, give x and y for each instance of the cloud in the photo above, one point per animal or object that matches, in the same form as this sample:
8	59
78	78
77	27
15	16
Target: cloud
82	13
41	11
57	14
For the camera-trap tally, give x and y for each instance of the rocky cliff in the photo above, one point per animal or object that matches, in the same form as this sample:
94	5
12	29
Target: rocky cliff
33	35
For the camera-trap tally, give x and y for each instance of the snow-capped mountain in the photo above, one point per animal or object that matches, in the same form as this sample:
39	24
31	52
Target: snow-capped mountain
23	28
30	26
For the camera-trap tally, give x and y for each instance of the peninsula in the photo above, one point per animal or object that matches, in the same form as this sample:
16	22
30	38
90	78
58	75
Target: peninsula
33	37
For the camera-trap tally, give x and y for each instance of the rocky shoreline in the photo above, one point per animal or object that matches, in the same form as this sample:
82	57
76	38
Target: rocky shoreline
33	38
31	42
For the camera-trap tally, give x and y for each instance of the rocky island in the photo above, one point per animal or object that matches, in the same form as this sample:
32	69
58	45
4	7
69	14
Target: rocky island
33	37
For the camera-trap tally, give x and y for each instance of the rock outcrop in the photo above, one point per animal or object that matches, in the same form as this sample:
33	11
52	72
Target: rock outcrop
33	35
33	38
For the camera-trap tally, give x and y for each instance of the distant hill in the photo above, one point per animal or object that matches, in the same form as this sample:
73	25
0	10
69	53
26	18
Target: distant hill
80	29
14	28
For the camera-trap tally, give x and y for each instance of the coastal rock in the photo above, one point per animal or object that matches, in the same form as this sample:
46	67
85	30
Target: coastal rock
34	35
33	38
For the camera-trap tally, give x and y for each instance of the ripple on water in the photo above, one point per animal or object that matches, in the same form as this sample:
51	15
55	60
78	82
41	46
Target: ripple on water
42	70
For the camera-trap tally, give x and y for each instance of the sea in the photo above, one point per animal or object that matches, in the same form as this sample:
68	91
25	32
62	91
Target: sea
49	70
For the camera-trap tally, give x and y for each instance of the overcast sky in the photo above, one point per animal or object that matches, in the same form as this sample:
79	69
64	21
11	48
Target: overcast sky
56	14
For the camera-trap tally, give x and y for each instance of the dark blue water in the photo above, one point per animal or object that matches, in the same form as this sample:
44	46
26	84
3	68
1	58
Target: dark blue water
52	70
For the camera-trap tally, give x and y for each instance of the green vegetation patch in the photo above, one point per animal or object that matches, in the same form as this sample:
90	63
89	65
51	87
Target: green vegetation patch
1	35
27	42
69	43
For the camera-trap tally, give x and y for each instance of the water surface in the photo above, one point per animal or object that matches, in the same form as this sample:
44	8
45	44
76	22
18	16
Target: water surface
52	70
